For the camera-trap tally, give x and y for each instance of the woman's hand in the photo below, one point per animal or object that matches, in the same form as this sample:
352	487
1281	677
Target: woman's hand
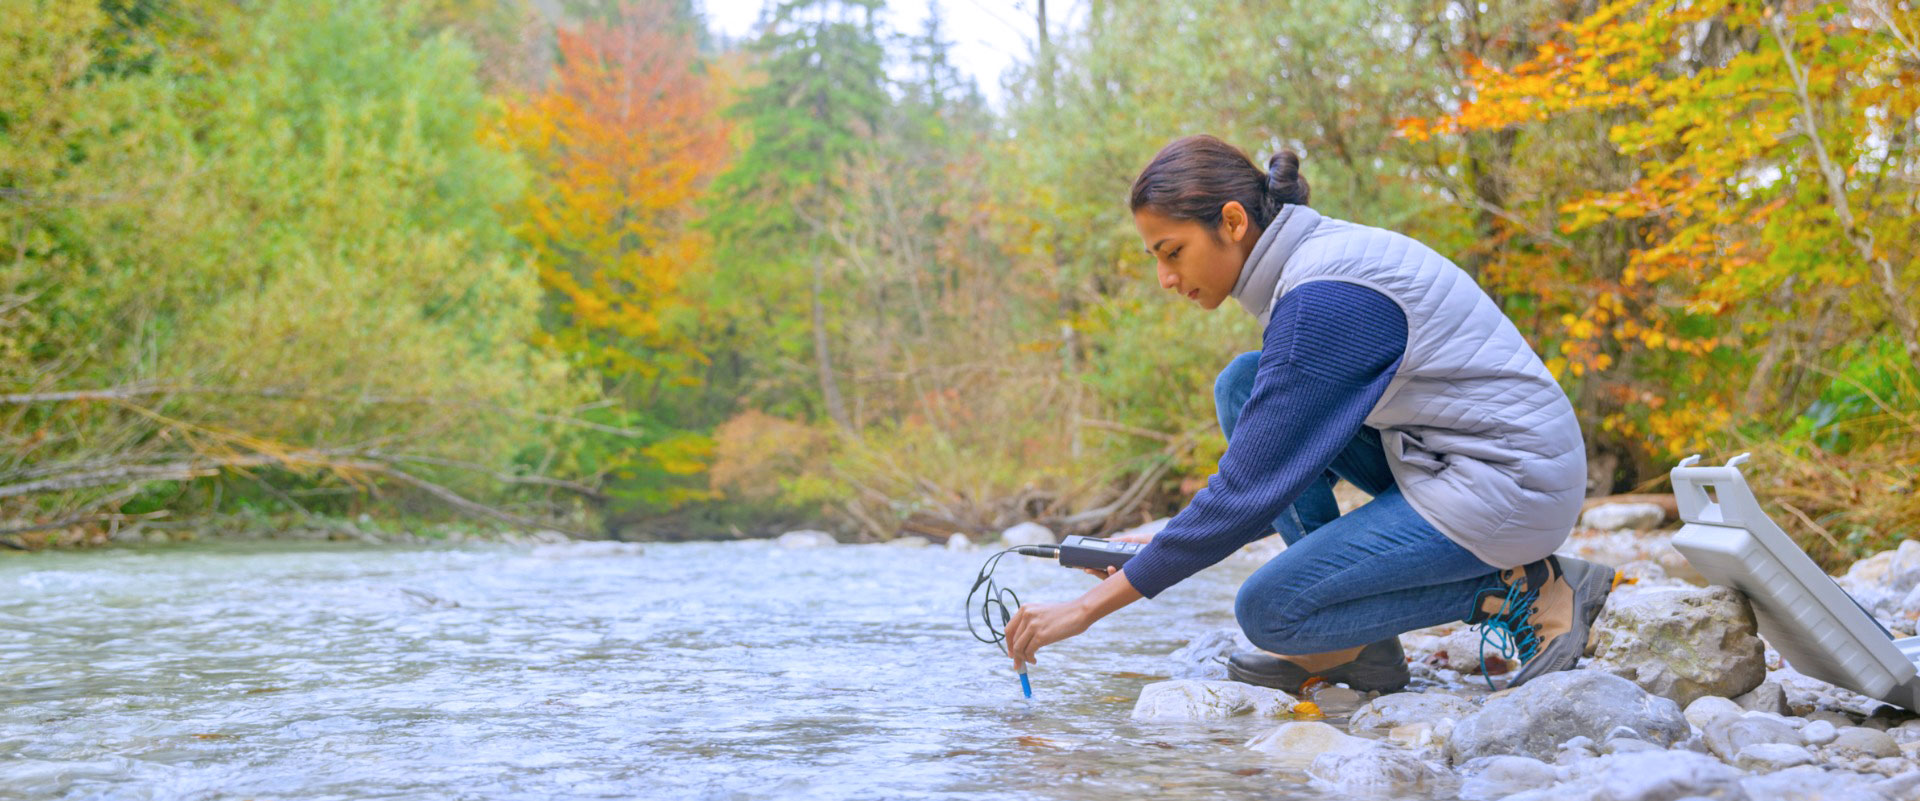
1036	625
1139	538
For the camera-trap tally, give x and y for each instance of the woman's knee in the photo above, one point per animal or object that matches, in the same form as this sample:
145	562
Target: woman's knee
1232	387
1266	612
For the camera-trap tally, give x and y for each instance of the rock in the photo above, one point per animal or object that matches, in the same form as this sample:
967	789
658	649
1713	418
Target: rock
1727	738
1884	583
1860	741
1027	534
1768	697
1903	786
1831	717
1818	732
1810	783
1185	699
1531	720
1400	709
1421	737
1627	745
1334	699
1709	709
1205	656
805	539
1680	643
1769	757
1623	516
1461	649
1647	776
594	549
1493	777
1301	742
1908	732
959	542
910	541
1376	770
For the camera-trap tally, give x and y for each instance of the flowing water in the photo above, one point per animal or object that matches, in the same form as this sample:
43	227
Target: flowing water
685	671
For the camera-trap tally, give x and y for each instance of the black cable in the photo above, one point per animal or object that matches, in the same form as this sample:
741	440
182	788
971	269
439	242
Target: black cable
996	596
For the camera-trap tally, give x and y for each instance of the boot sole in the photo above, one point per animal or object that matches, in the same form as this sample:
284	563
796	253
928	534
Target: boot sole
1366	673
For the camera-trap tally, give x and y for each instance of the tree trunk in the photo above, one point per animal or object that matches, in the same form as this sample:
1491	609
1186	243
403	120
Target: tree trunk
822	355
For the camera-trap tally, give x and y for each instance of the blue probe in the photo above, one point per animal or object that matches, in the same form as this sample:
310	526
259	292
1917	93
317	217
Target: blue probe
1026	687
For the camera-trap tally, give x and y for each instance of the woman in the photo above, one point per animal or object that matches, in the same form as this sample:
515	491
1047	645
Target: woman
1384	364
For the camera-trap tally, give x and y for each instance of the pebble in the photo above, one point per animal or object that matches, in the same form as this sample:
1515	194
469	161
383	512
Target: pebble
1727	738
1818	732
1769	757
1488	778
1859	741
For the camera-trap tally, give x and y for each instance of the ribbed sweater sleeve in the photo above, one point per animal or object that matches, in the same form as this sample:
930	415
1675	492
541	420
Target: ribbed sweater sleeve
1329	351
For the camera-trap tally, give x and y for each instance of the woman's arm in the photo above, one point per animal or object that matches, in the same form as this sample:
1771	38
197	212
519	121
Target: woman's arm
1036	625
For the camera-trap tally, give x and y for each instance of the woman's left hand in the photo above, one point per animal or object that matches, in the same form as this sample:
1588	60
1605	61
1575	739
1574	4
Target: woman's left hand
1035	625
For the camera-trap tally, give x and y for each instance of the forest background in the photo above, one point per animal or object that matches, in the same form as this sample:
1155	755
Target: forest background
588	266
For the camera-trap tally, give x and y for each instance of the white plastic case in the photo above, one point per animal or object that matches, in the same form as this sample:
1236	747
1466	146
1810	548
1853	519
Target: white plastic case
1815	625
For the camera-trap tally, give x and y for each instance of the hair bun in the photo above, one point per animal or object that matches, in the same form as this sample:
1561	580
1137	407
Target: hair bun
1284	184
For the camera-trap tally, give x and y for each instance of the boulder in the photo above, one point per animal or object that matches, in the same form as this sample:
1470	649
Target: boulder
806	538
1769	757
959	542
1401	709
1680	643
1027	534
1623	516
1186	699
1377	770
1301	742
1726	738
1488	778
1536	717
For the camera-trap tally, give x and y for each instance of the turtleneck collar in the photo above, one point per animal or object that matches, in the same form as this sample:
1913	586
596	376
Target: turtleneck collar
1260	274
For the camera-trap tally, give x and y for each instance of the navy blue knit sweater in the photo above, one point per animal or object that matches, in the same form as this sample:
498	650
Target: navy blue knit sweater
1330	348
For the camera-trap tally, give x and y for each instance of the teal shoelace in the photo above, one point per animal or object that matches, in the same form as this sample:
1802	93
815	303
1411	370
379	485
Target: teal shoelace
1507	629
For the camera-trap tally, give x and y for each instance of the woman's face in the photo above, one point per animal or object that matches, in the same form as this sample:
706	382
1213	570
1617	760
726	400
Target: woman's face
1198	264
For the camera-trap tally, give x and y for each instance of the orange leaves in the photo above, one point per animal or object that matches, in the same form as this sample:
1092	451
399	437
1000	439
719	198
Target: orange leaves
622	141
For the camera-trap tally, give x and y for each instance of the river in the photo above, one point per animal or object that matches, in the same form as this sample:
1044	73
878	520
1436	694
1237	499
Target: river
685	671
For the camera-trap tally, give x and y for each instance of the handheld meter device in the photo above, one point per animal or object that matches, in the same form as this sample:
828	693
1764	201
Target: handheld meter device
1090	552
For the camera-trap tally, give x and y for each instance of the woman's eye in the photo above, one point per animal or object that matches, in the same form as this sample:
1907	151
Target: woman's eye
1175	254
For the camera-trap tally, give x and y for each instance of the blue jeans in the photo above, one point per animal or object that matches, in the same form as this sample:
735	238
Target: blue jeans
1365	576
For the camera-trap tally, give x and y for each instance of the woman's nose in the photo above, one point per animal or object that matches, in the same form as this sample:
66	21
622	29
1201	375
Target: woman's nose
1167	279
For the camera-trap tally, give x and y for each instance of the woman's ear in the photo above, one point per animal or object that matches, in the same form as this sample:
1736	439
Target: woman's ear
1234	221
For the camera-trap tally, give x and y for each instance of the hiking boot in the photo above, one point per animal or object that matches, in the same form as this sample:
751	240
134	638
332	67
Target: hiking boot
1378	666
1540	613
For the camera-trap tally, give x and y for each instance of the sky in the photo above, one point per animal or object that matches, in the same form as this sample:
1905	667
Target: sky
987	35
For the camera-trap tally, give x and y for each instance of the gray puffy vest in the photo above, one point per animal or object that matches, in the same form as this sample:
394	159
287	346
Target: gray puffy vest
1479	436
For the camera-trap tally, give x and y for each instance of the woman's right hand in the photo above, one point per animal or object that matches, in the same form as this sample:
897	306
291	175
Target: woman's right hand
1143	539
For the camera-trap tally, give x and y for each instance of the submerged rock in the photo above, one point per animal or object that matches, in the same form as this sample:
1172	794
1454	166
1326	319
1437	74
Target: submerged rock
1377	770
1185	699
1401	709
1644	776
1302	741
806	538
1205	656
1680	643
1027	534
1535	718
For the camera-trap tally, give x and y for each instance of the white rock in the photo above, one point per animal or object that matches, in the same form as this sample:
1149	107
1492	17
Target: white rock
1908	732
1769	757
806	538
1400	709
1027	534
1420	737
1818	732
1768	697
1493	777
910	541
1623	516
1726	739
1376	770
1711	709
959	542
1300	742
1185	699
1680	642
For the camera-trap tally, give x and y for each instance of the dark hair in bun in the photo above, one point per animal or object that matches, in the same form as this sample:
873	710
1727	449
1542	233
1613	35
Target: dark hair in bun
1192	177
